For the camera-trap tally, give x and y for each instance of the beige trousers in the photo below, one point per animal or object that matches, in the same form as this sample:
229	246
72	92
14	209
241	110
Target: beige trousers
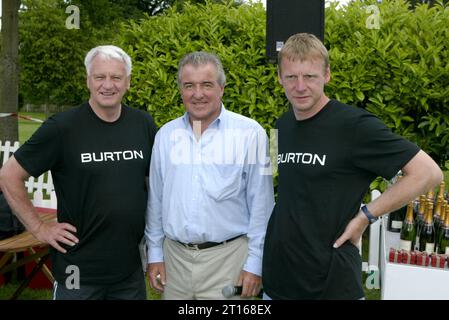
202	274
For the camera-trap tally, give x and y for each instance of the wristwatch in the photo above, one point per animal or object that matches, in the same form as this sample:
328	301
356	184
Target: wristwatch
369	215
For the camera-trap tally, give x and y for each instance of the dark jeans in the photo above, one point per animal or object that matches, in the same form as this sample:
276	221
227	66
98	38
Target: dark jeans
131	288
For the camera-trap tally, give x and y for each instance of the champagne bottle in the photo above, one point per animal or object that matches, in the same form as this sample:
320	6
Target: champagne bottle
437	211
443	243
408	231
427	233
437	218
420	216
441	189
415	208
430	196
396	218
421	211
439	223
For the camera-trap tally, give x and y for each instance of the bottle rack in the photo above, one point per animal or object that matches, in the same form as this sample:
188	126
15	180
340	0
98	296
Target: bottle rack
405	281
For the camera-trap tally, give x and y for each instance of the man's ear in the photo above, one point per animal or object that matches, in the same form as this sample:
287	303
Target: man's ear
327	75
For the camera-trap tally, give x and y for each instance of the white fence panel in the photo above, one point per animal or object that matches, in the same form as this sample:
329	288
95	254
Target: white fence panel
42	188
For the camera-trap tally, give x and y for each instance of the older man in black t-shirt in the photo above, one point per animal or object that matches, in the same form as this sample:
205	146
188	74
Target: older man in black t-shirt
99	155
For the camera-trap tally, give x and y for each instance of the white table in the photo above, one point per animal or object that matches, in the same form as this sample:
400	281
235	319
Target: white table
408	282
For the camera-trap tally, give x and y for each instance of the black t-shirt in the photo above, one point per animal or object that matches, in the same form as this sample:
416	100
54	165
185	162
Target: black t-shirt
98	171
326	164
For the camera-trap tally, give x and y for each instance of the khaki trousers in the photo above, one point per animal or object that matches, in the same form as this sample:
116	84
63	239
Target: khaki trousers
202	274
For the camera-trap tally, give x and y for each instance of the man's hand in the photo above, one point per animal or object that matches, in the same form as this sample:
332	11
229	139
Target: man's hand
353	231
250	283
54	233
156	275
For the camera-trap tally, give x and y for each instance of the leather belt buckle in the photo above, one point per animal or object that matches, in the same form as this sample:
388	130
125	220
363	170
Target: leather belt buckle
192	246
206	245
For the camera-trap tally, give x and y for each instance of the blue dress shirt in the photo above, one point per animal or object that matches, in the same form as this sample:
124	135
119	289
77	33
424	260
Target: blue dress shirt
211	189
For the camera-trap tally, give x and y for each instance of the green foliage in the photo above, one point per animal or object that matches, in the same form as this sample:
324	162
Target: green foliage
107	14
379	184
235	33
51	56
398	72
180	3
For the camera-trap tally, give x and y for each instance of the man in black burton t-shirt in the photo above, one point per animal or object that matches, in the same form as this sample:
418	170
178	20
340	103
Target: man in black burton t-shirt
328	154
99	155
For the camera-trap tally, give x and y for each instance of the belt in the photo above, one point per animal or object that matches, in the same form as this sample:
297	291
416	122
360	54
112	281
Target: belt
206	245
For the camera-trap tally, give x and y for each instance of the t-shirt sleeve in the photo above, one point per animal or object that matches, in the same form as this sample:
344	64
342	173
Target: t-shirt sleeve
152	130
42	151
378	149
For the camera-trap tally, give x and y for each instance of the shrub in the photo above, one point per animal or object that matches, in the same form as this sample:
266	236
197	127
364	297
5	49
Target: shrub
398	72
51	56
235	34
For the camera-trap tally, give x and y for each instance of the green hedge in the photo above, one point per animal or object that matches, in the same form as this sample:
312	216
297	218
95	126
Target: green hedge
398	72
51	56
235	34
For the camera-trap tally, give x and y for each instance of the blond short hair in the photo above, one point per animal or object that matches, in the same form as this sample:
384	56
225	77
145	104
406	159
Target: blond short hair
303	46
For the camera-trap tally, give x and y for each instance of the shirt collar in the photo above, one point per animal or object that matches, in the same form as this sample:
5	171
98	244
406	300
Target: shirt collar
216	124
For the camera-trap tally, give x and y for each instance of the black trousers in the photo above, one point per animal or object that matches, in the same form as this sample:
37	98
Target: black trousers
131	288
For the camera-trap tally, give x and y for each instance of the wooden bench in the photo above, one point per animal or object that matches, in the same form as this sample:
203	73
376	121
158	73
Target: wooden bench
41	190
25	242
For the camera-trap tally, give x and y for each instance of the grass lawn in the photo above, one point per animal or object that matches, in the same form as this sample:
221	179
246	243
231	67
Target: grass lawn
27	127
6	291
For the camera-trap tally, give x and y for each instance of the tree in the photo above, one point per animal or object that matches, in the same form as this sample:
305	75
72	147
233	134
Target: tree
154	7
51	56
415	3
235	33
104	13
399	72
9	70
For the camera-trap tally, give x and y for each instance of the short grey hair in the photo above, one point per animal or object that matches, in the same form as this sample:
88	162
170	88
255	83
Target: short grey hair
108	52
198	58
